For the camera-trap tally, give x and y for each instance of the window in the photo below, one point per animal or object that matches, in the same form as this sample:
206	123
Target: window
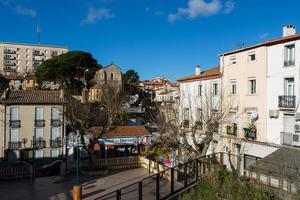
232	60
233	117
39	153
199	115
27	56
54	133
27	62
251	56
289	55
112	76
186	114
199	90
14	113
215	89
295	138
54	153
233	87
54	113
252	86
14	135
289	87
39	133
39	113
27	50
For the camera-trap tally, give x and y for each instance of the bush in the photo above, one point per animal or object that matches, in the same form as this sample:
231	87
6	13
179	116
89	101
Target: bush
203	191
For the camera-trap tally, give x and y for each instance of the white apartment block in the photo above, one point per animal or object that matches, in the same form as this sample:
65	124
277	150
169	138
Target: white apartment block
283	89
193	92
20	59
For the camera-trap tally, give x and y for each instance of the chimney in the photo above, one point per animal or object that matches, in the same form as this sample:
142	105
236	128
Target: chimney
289	30
197	70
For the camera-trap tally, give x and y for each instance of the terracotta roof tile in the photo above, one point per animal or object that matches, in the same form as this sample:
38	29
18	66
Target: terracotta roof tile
211	73
266	43
33	97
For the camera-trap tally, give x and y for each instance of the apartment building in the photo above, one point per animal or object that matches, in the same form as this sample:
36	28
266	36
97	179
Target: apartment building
20	59
283	88
264	81
198	90
28	115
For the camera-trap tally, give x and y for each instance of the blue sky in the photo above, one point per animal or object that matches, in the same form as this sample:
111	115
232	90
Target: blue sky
154	37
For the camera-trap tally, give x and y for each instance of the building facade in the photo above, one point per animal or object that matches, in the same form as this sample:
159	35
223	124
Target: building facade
20	59
30	115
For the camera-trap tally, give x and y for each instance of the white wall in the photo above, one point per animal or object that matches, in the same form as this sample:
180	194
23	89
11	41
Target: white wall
276	72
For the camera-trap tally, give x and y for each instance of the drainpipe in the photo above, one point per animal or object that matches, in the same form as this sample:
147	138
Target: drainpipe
4	130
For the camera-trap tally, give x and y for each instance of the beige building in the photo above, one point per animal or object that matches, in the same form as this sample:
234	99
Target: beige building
111	75
20	59
28	114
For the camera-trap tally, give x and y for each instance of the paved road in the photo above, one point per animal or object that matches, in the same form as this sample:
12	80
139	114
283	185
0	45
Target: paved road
56	188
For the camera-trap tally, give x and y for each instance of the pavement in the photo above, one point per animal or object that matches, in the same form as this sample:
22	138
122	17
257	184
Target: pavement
58	188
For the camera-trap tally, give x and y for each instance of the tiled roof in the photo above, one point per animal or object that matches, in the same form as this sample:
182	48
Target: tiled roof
32	97
152	83
211	73
266	43
123	131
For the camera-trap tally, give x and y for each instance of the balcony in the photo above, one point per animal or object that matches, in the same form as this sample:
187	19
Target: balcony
9	51
199	125
289	63
39	123
9	58
9	69
9	64
55	143
14	145
250	133
231	129
55	122
37	53
186	123
286	101
15	123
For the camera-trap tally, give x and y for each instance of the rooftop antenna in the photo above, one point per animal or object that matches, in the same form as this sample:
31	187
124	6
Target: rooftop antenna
240	45
38	34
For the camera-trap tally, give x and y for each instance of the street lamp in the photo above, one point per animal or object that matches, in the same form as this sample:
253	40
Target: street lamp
35	144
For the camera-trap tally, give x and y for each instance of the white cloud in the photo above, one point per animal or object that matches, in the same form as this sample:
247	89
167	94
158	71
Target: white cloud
95	15
263	36
229	7
26	11
201	8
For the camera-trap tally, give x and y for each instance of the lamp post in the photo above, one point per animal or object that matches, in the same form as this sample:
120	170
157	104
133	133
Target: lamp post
36	143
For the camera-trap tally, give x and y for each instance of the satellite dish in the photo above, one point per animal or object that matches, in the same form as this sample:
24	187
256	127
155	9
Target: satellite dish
254	115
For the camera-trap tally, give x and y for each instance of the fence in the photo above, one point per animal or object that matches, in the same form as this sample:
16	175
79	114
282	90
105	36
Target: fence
11	173
165	183
110	163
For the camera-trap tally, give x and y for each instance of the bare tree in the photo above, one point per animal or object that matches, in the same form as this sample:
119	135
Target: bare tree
103	114
190	126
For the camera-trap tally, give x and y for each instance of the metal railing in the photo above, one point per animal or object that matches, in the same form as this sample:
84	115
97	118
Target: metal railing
15	123
166	183
14	145
286	101
248	133
39	123
55	143
55	122
289	62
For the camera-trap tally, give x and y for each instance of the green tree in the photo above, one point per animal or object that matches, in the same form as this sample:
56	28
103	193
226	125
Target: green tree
69	69
130	76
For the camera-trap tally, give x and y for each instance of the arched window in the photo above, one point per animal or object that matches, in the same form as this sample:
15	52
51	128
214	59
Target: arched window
111	76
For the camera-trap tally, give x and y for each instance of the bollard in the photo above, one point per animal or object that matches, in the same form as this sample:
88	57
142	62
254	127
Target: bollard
77	192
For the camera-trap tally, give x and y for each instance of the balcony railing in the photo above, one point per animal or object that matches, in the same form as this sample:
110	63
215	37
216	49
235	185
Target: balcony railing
37	53
286	101
14	145
15	123
55	122
289	62
55	143
199	125
39	123
249	133
9	64
232	129
9	58
9	51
